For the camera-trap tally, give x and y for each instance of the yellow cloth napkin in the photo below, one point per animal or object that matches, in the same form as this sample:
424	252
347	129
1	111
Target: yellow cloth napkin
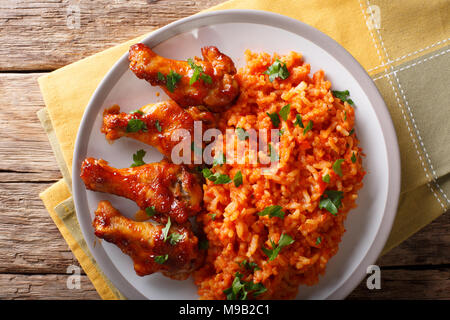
398	43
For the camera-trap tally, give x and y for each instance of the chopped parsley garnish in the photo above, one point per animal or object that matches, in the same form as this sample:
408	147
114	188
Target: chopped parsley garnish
318	240
161	77
138	158
237	179
284	241
165	230
161	259
353	158
172	79
135	125
345	115
326	178
280	133
158	126
337	167
241	134
284	112
308	127
137	111
198	73
203	245
217	177
240	289
175	237
151	211
332	202
343	95
351	131
273	154
220	160
274	118
249	265
277	70
299	121
272	211
213	216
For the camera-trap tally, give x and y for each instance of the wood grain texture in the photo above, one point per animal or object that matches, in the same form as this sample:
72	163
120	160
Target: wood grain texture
45	35
25	153
54	287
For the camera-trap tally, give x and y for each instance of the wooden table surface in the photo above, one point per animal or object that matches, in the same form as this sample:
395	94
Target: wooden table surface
37	38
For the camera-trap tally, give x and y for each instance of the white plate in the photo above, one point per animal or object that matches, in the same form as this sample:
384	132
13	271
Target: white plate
234	31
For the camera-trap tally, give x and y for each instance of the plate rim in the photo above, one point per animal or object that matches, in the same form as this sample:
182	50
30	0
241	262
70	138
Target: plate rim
318	38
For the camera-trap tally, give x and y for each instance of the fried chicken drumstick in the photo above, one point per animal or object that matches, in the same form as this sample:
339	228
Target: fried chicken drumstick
210	82
160	121
175	254
163	188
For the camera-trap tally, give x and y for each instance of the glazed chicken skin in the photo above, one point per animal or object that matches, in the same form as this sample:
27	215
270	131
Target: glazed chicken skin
215	88
166	189
146	245
161	121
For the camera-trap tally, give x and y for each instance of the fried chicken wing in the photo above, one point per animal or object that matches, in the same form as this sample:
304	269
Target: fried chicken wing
210	82
168	190
175	255
161	121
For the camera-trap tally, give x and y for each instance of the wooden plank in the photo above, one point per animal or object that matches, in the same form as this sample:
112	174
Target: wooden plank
408	284
29	240
46	34
24	147
20	286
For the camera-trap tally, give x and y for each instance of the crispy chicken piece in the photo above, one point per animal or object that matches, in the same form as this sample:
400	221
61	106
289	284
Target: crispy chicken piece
169	189
145	243
216	86
161	121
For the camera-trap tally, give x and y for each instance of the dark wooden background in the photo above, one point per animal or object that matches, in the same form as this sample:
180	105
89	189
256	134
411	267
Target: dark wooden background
35	39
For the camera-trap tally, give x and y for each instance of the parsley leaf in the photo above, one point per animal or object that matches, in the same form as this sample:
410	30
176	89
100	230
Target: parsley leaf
318	240
161	77
326	178
332	202
353	158
172	79
337	167
213	216
272	211
161	259
165	230
343	95
240	289
299	121
308	127
249	265
138	112
274	118
241	134
284	241
135	125
198	73
284	112
220	160
175	237
138	158
273	154
237	179
280	133
158	126
277	70
351	131
151	211
217	177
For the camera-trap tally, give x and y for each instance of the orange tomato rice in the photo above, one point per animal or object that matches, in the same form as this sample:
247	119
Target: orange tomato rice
231	223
